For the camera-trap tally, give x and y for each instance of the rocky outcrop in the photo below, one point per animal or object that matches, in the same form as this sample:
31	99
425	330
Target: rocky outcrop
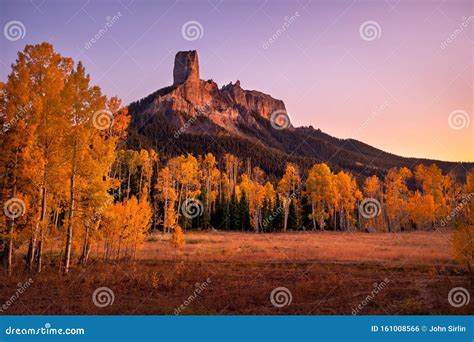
186	67
228	107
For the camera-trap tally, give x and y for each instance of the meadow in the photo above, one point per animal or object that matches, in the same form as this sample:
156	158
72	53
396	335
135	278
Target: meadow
227	273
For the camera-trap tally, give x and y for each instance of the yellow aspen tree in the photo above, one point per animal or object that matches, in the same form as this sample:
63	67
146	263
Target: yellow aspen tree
225	190
319	190
232	168
288	187
32	133
131	161
167	193
255	193
348	195
127	223
186	171
396	197
85	139
146	165
434	183
463	234
177	239
373	189
210	176
421	209
270	193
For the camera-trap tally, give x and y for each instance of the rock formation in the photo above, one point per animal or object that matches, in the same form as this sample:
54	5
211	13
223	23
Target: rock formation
228	107
186	67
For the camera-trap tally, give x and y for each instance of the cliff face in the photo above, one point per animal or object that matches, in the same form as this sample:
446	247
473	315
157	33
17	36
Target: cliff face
229	107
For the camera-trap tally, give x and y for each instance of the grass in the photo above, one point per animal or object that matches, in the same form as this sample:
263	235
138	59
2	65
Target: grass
326	273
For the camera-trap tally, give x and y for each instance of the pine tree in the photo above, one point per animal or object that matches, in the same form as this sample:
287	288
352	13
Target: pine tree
292	216
235	213
244	212
277	213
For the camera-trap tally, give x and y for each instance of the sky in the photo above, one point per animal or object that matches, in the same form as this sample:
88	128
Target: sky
397	75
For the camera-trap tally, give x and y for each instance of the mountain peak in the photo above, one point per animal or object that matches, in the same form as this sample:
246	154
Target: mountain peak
186	67
230	108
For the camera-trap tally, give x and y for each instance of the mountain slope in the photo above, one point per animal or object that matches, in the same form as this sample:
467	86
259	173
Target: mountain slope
196	116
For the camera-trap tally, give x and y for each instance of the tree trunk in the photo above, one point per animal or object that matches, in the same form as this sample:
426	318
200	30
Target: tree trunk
39	256
42	227
140	185
321	218
341	222
30	256
128	185
11	230
165	215
67	254
9	255
56	219
86	246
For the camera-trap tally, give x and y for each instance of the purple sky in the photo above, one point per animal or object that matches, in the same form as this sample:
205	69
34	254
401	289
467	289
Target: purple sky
395	92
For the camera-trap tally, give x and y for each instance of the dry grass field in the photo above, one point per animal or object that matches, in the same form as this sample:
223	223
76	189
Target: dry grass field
325	273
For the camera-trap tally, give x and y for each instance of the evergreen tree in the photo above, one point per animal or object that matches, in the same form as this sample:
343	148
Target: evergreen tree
306	216
225	215
202	221
235	216
292	216
277	213
244	212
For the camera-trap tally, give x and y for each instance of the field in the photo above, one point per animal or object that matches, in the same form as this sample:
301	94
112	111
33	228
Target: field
235	273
